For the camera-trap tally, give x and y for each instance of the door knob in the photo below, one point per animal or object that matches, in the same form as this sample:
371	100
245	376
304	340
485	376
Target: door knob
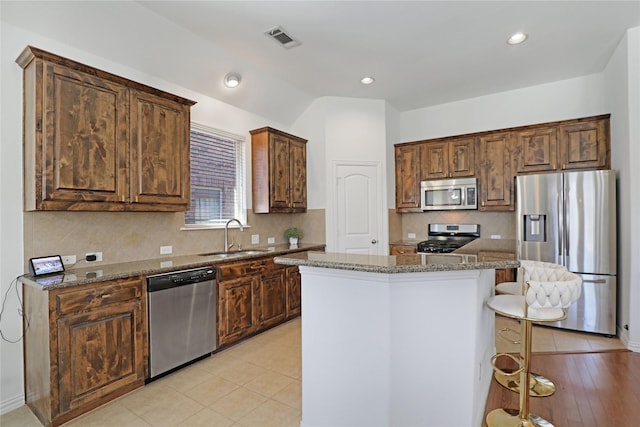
374	241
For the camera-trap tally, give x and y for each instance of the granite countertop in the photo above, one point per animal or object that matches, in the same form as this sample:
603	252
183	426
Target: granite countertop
480	254
102	273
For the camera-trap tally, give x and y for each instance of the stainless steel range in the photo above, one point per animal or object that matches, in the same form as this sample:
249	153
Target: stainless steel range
445	238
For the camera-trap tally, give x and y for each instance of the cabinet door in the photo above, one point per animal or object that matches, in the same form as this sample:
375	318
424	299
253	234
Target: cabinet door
298	171
84	143
99	352
505	275
160	152
537	150
294	291
237	315
272	298
434	160
407	177
496	177
279	167
462	157
585	145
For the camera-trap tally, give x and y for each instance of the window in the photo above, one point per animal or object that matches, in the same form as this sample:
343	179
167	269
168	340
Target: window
217	178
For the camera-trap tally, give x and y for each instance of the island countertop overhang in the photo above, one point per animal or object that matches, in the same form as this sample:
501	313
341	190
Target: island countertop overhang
481	254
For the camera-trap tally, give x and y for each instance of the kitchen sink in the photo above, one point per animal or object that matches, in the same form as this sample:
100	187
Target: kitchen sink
235	254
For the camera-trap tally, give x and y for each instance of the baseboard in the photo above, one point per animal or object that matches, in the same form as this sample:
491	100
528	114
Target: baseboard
11	404
624	337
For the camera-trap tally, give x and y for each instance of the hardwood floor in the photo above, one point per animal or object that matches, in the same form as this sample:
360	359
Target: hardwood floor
592	389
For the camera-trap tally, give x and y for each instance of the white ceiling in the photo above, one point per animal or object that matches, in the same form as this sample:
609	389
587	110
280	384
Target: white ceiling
421	53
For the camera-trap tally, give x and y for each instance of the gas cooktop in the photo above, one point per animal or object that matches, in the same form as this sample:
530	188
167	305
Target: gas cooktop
445	238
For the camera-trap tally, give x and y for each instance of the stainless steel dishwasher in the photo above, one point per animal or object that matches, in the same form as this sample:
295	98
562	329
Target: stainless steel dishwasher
182	318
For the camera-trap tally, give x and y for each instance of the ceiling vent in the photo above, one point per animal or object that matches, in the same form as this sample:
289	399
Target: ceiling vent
280	35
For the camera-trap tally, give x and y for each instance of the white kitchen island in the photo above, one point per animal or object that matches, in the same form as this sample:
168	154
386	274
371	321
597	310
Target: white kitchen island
402	341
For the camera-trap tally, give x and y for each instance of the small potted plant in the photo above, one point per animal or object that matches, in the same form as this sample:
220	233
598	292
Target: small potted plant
293	234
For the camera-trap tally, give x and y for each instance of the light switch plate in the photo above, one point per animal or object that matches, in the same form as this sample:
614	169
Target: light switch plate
496	236
411	235
255	239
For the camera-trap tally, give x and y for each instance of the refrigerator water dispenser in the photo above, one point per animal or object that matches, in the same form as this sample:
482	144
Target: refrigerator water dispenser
535	229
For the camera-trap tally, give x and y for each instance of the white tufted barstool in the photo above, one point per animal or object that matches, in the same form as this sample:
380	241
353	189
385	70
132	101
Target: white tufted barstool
547	294
539	386
527	270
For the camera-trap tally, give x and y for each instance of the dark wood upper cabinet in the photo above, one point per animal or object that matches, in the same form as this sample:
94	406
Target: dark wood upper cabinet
537	150
453	158
96	141
496	172
160	151
584	144
279	171
571	144
407	160
496	157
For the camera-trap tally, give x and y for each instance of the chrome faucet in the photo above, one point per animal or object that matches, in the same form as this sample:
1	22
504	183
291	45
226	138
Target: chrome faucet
228	246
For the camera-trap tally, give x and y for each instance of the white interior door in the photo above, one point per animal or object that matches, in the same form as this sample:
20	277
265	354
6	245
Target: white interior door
358	208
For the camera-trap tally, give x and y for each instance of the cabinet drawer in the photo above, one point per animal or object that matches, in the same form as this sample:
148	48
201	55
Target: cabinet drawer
91	296
403	249
232	270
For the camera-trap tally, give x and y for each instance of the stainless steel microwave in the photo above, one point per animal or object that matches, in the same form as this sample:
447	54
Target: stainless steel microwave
449	194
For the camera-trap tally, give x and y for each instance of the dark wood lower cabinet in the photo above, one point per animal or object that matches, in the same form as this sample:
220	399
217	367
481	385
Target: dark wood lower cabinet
272	298
237	311
84	346
505	275
294	291
254	295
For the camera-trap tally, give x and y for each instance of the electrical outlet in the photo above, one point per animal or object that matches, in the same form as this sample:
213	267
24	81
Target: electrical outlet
68	259
496	236
97	254
411	235
271	240
255	239
166	250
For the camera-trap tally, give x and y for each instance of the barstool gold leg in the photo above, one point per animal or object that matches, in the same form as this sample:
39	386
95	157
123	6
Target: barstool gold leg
539	386
522	417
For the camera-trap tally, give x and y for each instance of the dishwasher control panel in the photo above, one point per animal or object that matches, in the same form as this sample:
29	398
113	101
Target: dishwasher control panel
180	278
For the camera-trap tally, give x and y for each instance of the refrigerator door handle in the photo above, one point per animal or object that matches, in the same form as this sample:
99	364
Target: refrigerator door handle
567	228
594	281
560	227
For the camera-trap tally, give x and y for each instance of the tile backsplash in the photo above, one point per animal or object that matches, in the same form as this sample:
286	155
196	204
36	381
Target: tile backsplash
501	224
132	236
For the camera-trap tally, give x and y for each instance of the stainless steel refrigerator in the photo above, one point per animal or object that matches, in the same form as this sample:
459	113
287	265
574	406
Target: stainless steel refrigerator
570	219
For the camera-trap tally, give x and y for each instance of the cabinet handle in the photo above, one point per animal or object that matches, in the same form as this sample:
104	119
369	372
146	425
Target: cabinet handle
103	296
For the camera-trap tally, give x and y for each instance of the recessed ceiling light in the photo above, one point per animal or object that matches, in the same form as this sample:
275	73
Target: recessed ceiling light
367	80
517	38
232	80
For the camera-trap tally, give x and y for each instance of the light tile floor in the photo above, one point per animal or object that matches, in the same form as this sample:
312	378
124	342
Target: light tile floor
255	384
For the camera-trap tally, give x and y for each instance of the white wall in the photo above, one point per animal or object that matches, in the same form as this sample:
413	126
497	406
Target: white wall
11	243
623	98
566	99
353	130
